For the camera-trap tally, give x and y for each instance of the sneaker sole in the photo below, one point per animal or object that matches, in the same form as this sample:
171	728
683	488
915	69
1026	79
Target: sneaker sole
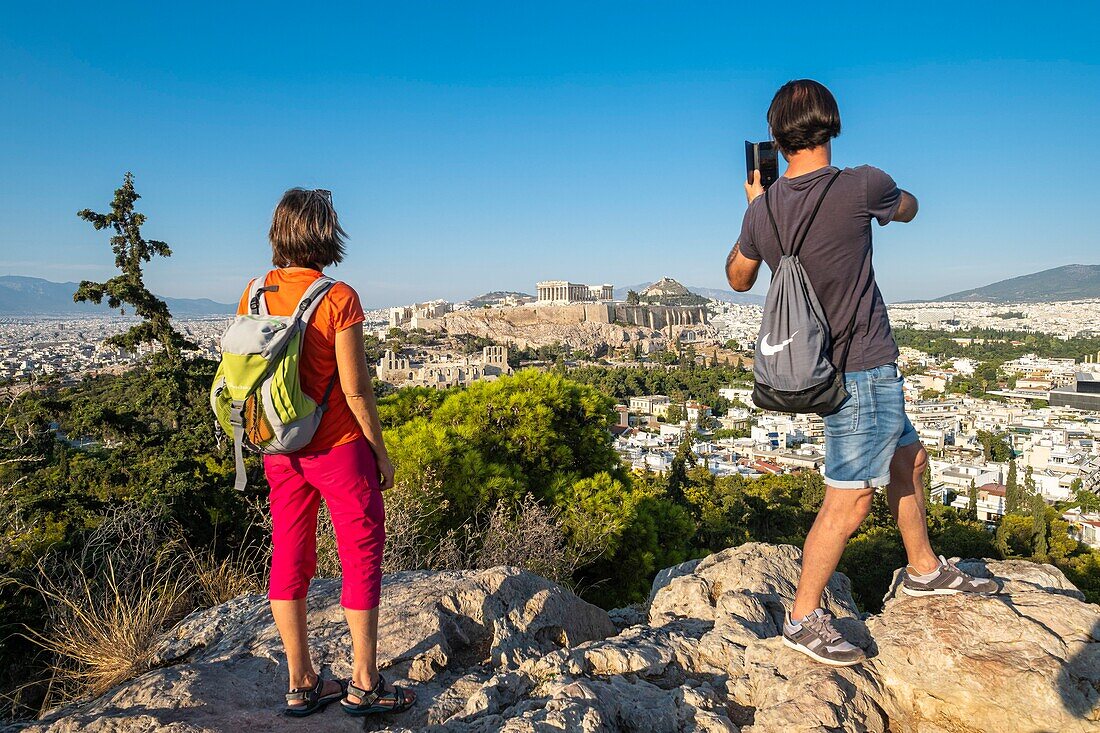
817	658
945	592
931	592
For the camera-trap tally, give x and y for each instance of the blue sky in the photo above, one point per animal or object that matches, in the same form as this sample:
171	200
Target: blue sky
480	146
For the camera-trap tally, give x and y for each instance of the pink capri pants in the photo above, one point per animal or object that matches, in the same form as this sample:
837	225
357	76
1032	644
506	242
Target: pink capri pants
347	478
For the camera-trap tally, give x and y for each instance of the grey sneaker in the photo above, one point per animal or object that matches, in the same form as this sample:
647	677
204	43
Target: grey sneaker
818	639
947	579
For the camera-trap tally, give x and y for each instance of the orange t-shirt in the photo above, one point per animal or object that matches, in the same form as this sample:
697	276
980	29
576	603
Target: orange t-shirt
339	309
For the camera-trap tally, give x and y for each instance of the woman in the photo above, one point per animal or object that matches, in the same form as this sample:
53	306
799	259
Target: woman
346	464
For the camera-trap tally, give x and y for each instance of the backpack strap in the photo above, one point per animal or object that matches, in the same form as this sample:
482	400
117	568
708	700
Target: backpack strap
798	245
236	419
311	298
257	303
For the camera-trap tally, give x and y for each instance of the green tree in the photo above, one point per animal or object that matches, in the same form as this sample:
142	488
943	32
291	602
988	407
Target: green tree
995	446
373	348
675	414
1083	570
678	470
632	297
869	561
1039	527
972	509
131	249
964	539
533	432
1015	536
1088	501
1013	499
409	403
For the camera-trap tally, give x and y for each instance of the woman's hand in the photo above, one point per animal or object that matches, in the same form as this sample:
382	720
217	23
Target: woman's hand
385	472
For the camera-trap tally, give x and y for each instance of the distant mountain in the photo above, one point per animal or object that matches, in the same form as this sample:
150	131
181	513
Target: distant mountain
33	296
1070	282
726	296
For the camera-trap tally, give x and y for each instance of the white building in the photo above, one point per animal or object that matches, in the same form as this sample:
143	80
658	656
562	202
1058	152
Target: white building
991	502
654	404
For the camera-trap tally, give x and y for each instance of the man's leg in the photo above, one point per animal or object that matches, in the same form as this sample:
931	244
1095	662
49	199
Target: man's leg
906	497
842	511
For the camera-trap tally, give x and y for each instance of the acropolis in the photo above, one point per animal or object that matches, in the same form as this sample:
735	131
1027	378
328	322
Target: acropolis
562	291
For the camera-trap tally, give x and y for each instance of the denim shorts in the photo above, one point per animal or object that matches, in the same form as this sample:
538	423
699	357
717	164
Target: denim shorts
862	435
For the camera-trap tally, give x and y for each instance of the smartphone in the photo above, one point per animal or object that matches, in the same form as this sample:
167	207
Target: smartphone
764	158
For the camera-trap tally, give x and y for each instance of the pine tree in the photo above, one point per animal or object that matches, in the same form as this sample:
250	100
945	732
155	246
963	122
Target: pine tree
1012	489
678	471
972	511
1039	526
926	479
131	249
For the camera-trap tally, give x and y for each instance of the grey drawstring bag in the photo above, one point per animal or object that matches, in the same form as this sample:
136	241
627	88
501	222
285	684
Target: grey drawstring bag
792	369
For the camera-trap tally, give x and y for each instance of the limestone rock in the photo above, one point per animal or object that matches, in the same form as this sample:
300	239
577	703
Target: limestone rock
748	586
1027	659
505	650
226	671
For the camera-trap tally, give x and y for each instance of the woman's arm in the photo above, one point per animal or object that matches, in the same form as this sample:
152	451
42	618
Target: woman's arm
351	364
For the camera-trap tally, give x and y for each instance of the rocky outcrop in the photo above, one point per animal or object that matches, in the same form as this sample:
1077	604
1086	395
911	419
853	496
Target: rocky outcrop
1028	660
504	650
581	326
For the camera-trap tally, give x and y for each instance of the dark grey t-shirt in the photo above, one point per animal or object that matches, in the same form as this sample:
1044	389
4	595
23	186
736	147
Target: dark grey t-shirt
836	254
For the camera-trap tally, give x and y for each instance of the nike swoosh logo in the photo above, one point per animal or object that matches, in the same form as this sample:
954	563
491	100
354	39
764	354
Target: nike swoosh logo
772	349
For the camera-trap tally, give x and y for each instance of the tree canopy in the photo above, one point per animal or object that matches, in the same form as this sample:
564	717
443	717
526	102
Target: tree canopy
131	250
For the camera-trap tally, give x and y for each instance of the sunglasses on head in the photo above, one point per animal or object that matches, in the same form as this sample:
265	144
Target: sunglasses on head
325	193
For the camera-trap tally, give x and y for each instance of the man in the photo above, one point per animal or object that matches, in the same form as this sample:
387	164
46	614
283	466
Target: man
869	441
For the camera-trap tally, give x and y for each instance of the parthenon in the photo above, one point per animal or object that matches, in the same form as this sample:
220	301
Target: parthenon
563	291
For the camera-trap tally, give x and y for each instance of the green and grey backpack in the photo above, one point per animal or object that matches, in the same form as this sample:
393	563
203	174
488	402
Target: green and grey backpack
257	394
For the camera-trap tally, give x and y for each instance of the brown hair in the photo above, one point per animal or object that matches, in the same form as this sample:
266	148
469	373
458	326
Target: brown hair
305	231
803	114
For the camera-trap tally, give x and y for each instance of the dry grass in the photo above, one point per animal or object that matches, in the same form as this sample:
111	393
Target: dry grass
103	630
533	537
109	603
244	571
529	536
218	581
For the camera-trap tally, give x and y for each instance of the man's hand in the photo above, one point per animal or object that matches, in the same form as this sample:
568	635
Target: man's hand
755	188
385	472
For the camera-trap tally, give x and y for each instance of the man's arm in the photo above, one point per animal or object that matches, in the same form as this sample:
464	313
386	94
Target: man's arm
907	208
741	271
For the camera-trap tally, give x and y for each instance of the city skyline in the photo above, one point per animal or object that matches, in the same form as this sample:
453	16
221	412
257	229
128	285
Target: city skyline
493	146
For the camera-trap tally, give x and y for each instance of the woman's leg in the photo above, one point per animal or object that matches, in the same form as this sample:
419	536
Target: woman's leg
348	480
364	647
290	618
294	505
